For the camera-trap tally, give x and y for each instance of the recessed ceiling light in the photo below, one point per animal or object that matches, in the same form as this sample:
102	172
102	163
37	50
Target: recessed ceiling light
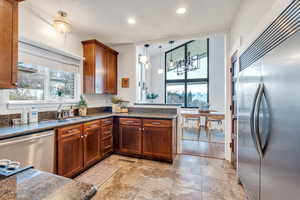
181	11
131	21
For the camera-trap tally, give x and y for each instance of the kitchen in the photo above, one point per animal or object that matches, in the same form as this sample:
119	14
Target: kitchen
75	123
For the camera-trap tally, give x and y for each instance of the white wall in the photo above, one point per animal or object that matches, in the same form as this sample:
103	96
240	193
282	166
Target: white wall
217	72
35	26
127	69
251	20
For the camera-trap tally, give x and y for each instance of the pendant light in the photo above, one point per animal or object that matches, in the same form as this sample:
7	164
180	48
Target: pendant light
144	59
160	70
61	23
171	63
147	54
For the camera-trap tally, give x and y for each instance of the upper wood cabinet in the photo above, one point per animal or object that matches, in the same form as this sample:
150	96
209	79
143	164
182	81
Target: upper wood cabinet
100	68
8	43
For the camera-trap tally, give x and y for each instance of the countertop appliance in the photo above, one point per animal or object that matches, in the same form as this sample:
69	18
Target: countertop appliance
35	149
269	111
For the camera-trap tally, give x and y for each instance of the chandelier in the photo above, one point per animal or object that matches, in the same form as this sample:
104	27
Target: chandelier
61	23
182	66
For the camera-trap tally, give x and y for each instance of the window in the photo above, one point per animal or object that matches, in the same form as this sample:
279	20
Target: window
44	76
189	89
42	83
175	93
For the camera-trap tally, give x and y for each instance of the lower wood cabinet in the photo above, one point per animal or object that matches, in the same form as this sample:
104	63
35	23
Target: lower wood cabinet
150	138
130	139
80	146
107	137
91	144
157	142
70	151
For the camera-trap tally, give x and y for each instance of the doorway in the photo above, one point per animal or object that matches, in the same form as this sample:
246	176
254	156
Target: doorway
203	133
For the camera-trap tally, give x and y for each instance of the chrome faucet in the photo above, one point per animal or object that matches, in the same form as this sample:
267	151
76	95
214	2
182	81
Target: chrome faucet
59	114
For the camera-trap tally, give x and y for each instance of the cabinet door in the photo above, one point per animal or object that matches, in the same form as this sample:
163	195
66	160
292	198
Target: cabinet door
130	139
157	142
99	69
8	43
111	72
91	146
70	152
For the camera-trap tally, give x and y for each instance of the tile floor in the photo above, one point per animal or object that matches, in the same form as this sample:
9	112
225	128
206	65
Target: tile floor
209	144
188	178
206	149
196	134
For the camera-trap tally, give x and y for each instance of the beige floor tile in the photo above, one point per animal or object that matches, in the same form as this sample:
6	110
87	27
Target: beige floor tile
182	193
188	178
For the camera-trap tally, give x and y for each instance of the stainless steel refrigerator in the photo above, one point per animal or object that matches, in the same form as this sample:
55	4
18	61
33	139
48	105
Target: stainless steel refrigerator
269	117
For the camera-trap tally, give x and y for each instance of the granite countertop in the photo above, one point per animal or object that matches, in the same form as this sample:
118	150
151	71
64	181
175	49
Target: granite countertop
19	130
33	184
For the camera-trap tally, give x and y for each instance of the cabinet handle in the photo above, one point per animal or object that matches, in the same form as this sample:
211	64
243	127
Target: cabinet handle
15	84
73	131
81	136
156	123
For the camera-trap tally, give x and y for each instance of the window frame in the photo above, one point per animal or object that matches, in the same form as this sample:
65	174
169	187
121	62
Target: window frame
55	55
185	81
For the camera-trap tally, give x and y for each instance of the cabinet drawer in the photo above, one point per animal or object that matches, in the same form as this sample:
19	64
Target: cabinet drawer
157	123
107	146
130	121
107	121
107	132
92	125
69	131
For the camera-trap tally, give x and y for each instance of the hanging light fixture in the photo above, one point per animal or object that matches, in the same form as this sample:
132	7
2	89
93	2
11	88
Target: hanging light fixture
171	63
160	70
190	63
144	59
61	23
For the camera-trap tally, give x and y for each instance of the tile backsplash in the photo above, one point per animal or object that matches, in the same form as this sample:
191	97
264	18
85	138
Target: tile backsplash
6	120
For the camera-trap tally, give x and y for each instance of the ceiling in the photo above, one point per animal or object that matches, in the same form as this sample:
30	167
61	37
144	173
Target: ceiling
106	20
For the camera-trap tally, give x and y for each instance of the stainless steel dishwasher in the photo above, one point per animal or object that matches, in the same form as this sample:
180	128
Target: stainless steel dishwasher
34	149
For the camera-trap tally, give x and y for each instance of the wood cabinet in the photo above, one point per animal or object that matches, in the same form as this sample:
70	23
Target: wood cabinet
91	144
8	43
82	145
70	150
100	68
110	86
106	136
157	139
148	138
130	136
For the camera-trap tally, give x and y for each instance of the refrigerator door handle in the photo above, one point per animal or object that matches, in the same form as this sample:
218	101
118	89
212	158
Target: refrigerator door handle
256	120
252	119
